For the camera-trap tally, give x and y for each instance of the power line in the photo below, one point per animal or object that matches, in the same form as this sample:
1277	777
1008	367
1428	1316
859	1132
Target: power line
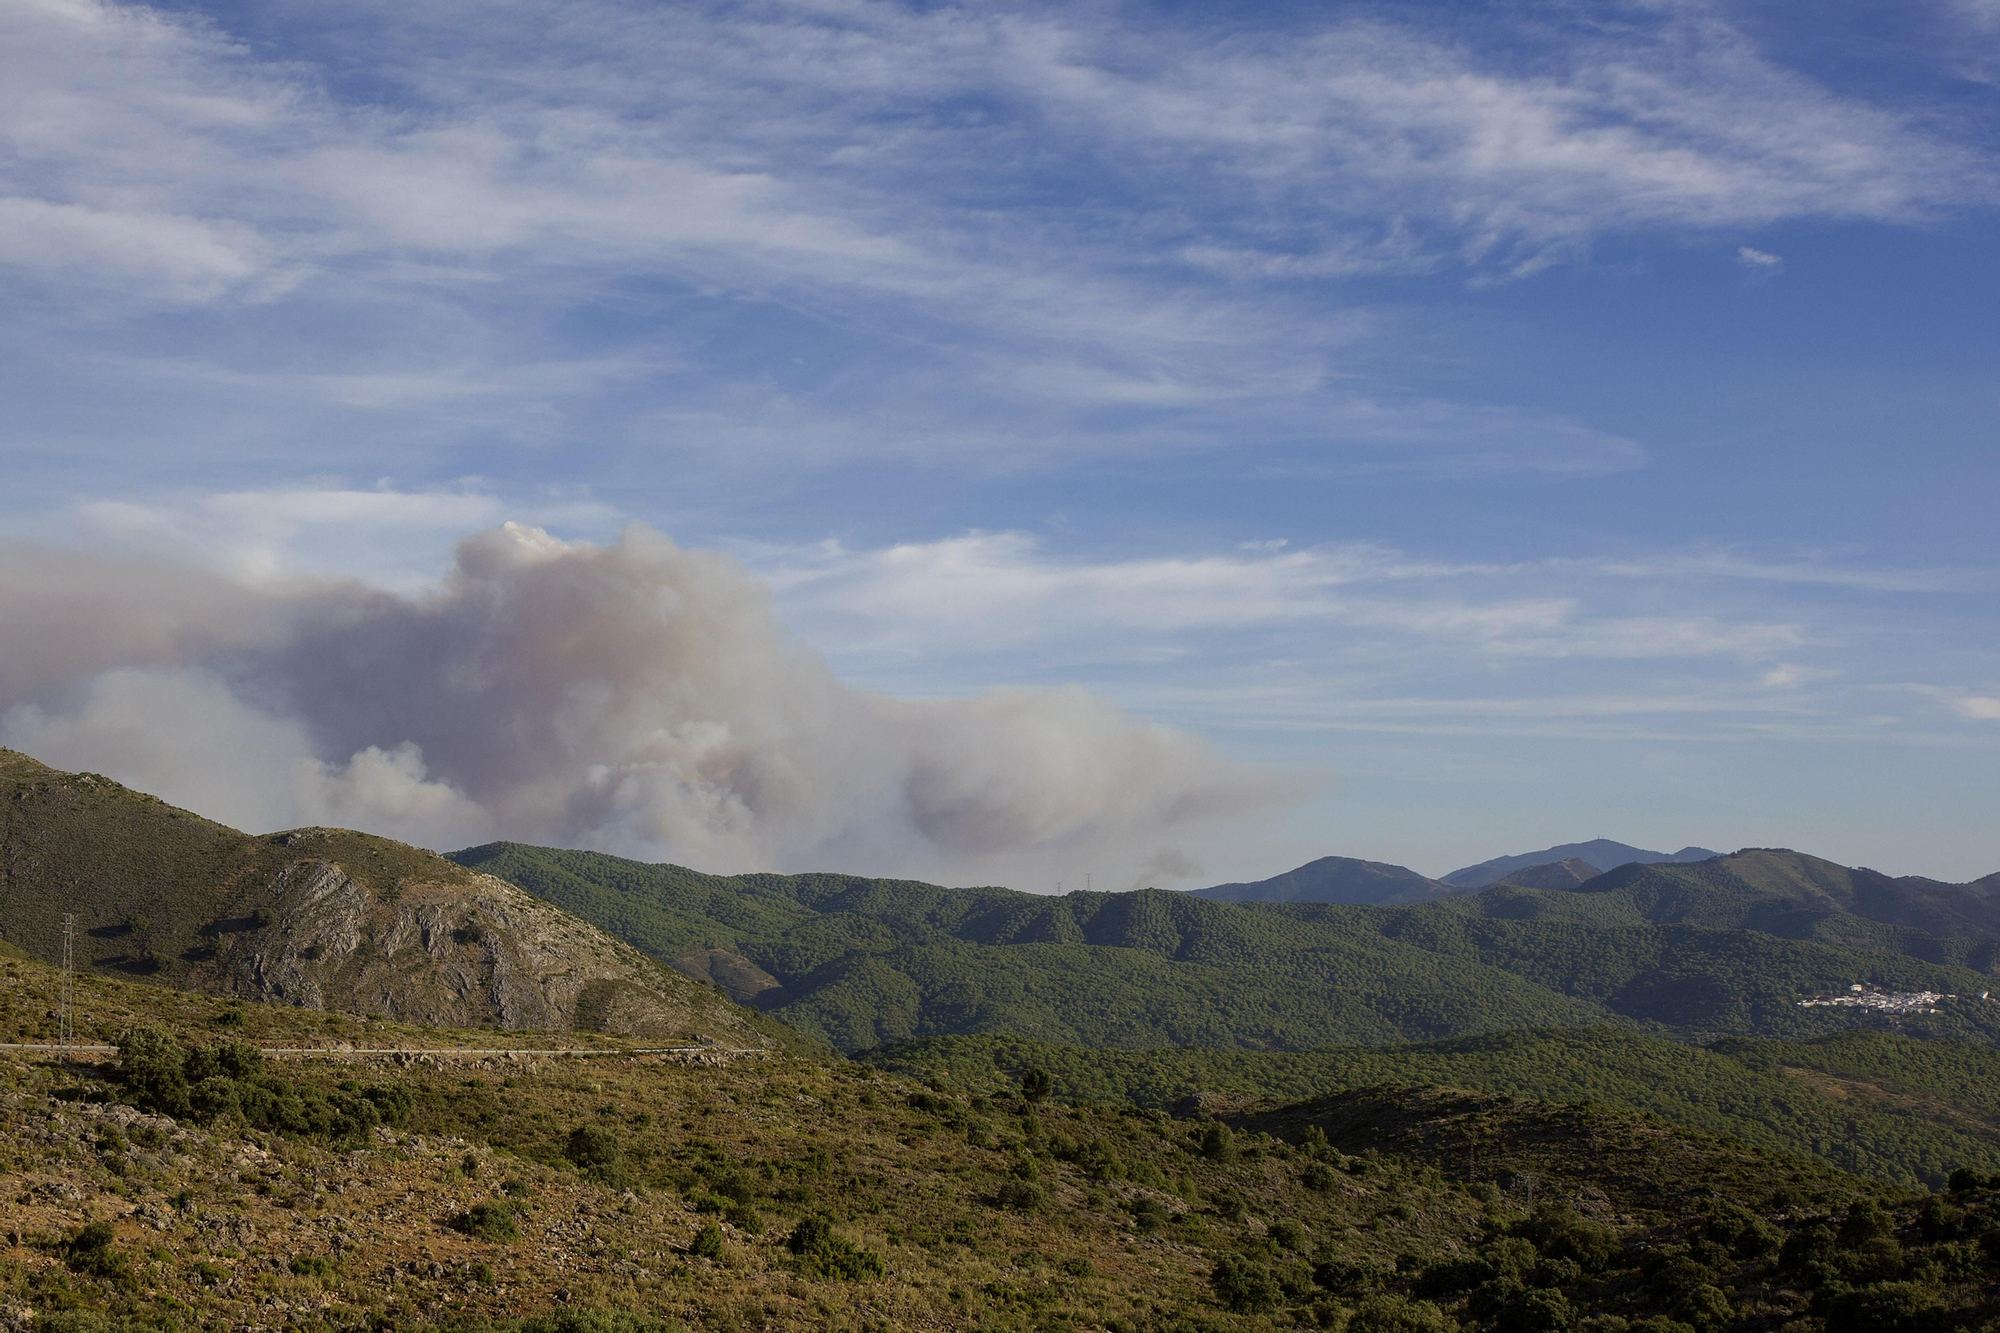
66	997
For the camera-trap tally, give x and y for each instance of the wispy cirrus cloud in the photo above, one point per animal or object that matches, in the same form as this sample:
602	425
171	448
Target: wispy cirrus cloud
1089	229
996	591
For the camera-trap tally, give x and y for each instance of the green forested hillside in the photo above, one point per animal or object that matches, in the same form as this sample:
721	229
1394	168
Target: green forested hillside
1725	947
1888	1107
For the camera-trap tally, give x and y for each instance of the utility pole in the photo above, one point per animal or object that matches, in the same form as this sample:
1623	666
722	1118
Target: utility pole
66	998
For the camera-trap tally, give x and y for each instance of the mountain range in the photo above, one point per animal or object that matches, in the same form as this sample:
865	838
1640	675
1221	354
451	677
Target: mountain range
1343	879
1573	1099
1727	946
509	935
1601	853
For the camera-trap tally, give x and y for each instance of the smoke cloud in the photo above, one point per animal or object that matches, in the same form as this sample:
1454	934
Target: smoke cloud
635	697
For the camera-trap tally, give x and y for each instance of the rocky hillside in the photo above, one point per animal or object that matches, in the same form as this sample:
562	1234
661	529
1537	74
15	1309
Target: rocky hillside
324	918
627	1193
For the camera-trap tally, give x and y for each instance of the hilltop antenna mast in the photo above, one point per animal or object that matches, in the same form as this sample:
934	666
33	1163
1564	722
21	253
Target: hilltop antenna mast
65	996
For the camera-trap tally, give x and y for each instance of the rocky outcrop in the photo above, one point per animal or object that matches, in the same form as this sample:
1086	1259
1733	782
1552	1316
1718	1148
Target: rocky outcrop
321	917
465	951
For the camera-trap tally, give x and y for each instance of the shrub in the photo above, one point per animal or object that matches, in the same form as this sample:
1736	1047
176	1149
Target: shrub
1560	1232
312	1265
1865	1221
1023	1196
1537	1310
1243	1286
1288	1235
150	1065
1037	1084
1218	1144
734	1186
1659	1323
489	1220
595	1149
1884	1307
1705	1306
1397	1314
229	1078
90	1252
825	1254
1346	1277
1149	1214
707	1242
1807	1247
1965	1179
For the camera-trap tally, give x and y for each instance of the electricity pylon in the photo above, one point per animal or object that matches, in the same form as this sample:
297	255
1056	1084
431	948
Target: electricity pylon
66	999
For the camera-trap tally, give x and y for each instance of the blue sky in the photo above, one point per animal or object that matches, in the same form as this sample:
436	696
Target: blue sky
1506	425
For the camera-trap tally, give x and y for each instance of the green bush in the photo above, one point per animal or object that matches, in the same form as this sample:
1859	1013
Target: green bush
230	1079
1397	1314
707	1243
1218	1144
1288	1235
1023	1196
595	1149
1558	1231
90	1251
1537	1310
1243	1286
1865	1221
823	1253
489	1220
1883	1307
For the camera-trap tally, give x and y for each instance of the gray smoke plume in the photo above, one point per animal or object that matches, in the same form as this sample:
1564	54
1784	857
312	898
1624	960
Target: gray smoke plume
635	697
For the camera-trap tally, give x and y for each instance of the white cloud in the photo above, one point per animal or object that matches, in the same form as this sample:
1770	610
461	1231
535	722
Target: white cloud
993	591
395	538
1758	261
1130	222
1791	675
1956	700
175	258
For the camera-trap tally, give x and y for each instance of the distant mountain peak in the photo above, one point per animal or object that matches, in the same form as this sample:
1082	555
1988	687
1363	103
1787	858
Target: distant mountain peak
1336	879
1601	853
